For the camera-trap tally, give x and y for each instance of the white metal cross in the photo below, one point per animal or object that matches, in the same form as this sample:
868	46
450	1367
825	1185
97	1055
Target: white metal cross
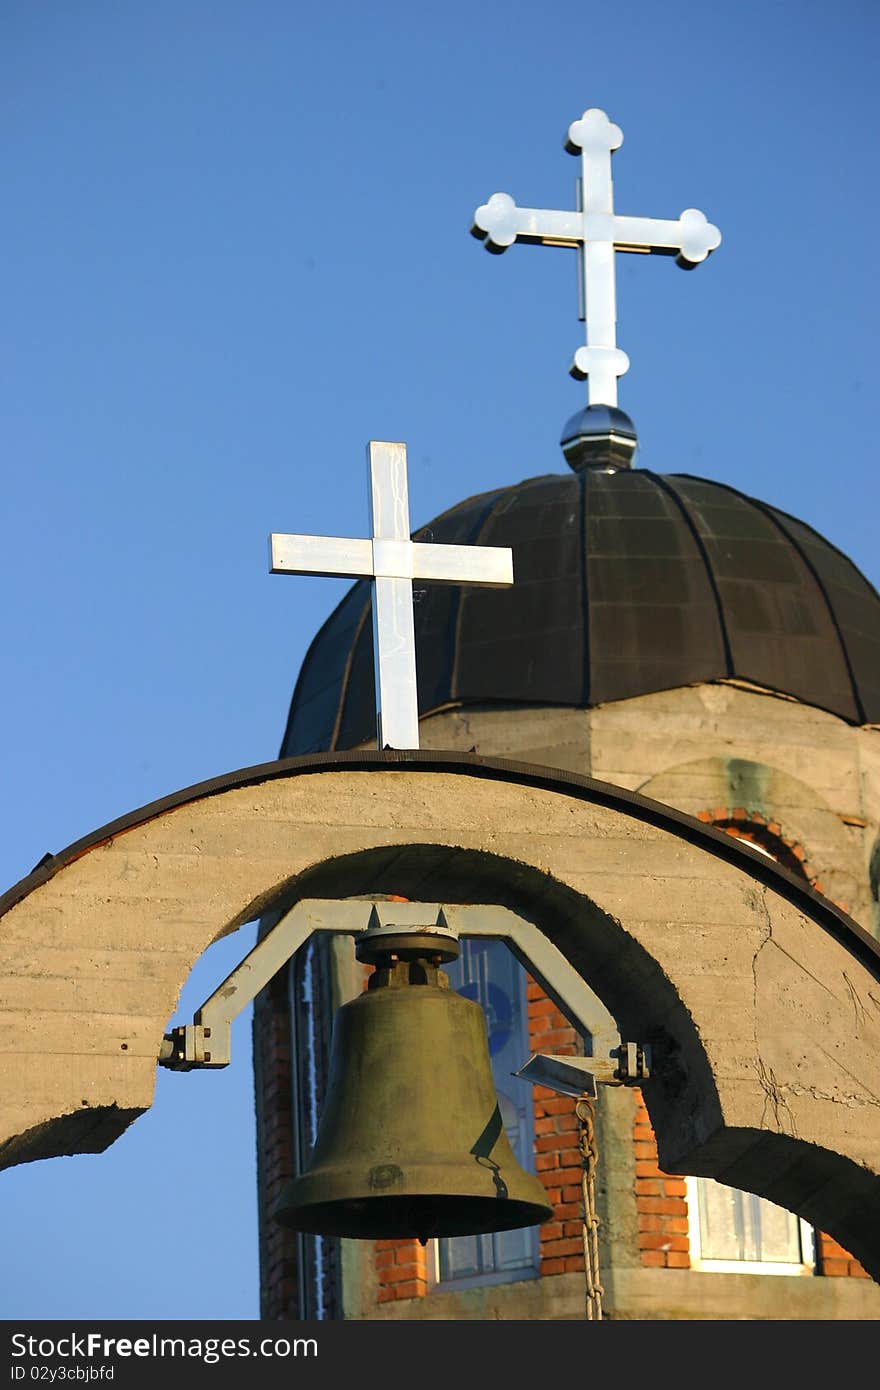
597	232
392	561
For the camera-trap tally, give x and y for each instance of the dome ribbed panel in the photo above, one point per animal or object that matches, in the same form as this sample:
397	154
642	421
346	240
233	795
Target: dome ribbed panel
356	706
438	607
526	643
323	677
653	612
854	604
779	627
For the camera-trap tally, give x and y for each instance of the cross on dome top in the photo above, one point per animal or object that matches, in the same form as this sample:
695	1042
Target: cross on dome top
597	232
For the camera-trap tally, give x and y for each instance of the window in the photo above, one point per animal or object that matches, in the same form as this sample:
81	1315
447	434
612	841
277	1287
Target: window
488	973
736	1231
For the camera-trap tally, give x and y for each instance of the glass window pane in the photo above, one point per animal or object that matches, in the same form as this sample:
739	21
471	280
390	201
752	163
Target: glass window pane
736	1225
487	973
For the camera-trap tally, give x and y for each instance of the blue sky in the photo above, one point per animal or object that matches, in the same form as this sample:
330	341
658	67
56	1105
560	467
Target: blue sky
234	249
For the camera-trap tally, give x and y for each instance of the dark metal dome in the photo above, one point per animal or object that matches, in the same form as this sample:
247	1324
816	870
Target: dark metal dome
626	582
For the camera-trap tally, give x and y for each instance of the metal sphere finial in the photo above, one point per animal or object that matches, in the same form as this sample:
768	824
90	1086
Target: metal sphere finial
599	436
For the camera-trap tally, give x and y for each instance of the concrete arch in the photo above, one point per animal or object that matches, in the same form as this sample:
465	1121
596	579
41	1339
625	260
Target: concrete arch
761	999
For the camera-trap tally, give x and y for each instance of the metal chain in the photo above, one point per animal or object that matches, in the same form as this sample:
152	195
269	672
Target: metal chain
585	1111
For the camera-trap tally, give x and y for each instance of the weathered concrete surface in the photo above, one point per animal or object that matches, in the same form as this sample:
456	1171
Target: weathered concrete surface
761	1000
704	748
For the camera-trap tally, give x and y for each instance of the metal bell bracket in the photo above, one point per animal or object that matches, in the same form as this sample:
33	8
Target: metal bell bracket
577	1076
207	1041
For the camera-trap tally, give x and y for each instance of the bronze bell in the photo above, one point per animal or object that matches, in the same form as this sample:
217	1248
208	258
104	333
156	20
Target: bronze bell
411	1142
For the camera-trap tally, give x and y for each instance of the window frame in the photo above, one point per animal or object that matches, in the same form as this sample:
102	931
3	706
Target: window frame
805	1266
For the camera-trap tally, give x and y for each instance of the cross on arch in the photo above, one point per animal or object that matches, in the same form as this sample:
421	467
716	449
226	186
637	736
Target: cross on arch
597	232
392	561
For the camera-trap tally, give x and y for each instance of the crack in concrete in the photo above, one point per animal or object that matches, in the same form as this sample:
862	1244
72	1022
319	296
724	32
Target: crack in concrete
783	1119
761	904
800	965
464	723
836	1097
835	1061
858	1007
775	1100
767	939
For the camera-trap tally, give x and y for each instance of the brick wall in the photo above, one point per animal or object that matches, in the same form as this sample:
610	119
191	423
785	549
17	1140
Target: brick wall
660	1201
401	1270
557	1155
834	1262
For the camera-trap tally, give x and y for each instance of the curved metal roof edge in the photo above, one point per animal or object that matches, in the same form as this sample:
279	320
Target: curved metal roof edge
830	917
